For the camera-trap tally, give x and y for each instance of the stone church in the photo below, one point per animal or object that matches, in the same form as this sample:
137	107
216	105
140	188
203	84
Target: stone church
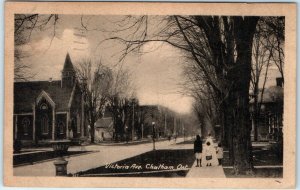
49	110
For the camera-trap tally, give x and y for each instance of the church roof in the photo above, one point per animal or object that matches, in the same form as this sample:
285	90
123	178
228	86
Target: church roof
25	94
68	64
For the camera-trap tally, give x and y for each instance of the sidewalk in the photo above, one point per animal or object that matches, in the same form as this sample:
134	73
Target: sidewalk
206	172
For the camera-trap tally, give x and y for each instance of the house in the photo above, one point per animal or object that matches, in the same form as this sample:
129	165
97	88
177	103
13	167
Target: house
270	121
49	110
104	129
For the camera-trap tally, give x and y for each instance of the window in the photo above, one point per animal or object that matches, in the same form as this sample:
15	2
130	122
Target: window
25	125
45	124
61	127
43	106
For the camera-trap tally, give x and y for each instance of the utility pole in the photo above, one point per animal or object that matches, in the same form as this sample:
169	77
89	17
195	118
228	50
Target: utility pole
132	128
174	126
142	130
153	134
183	132
165	125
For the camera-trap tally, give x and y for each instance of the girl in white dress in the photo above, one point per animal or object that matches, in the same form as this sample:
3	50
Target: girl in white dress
210	151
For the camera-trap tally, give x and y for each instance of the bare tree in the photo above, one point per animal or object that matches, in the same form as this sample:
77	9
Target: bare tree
265	53
96	81
206	103
119	102
261	60
221	47
275	30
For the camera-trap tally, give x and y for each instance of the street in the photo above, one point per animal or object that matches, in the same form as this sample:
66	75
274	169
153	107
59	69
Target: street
102	155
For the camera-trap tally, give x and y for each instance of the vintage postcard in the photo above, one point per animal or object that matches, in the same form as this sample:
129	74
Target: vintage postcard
188	95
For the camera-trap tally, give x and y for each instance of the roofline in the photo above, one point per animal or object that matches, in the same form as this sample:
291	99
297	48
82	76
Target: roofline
45	95
72	95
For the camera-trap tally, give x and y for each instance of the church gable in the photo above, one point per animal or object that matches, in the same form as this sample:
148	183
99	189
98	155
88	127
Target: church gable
27	93
45	96
58	92
49	110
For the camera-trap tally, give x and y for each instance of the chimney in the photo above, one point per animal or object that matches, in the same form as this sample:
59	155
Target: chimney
279	81
50	79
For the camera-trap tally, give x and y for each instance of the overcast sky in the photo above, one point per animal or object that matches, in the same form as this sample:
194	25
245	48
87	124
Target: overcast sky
156	73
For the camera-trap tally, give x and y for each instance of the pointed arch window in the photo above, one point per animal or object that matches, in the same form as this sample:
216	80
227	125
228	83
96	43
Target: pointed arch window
61	127
45	124
25	125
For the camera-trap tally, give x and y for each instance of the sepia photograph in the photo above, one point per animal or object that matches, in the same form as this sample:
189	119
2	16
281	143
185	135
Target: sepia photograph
125	96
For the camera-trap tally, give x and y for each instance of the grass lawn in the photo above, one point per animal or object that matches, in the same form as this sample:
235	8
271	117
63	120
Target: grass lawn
30	158
258	173
159	163
262	156
187	142
130	143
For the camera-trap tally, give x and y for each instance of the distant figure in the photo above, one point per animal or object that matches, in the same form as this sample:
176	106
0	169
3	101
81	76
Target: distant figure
169	137
198	150
220	153
208	151
175	138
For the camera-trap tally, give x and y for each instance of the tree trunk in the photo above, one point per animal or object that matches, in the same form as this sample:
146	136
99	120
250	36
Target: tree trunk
241	132
238	118
256	124
255	106
241	142
92	132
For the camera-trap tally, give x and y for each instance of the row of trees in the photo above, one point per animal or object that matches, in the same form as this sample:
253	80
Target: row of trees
106	88
225	58
267	51
231	58
219	66
112	90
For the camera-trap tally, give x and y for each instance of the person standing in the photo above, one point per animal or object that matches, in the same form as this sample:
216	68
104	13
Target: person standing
220	153
208	152
198	150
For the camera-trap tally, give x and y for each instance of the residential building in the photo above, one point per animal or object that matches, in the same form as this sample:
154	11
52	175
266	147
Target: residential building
270	121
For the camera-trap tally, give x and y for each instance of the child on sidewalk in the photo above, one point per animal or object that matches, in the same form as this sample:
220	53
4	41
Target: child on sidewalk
198	150
220	153
208	153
